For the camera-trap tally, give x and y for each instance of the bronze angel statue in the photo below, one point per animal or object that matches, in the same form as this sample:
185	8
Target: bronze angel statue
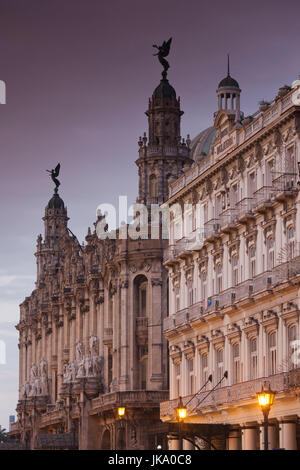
54	174
163	51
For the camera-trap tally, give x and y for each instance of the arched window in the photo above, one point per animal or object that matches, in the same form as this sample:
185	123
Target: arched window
153	186
140	302
140	296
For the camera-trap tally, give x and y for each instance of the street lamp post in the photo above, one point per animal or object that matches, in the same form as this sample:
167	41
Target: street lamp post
181	415
265	400
121	414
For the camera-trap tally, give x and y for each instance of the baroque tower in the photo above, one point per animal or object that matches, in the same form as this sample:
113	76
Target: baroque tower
163	154
55	228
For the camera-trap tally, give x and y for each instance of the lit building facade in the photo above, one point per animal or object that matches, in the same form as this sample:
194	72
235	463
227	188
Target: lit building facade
90	334
234	276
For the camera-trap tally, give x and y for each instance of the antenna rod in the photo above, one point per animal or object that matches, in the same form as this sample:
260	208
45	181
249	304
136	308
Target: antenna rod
204	398
203	386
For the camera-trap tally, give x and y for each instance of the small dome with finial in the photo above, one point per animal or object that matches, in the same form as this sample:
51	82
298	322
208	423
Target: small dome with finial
228	82
56	202
164	90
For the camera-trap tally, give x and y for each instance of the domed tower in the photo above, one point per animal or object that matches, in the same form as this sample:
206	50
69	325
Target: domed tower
163	154
229	95
55	229
55	220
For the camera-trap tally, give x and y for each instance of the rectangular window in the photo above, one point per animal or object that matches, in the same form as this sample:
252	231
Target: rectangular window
235	270
219	278
191	376
253	359
290	243
252	262
233	195
251	184
205	213
203	285
177	231
220	364
177	380
270	253
272	353
292	336
218	207
236	363
204	370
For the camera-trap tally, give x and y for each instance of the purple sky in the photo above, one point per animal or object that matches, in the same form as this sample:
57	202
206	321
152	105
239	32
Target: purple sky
78	76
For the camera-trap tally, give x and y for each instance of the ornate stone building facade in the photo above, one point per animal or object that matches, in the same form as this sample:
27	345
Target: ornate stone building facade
234	276
90	334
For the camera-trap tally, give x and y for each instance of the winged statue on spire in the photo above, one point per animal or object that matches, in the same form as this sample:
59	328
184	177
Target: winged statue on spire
163	51
54	174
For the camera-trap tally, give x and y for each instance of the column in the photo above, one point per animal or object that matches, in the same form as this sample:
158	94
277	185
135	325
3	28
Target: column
288	433
173	444
124	346
234	440
115	339
100	322
272	436
155	336
73	330
250	436
187	445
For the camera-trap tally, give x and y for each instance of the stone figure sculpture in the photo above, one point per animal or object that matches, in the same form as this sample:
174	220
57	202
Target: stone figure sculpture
81	370
85	365
93	345
33	372
54	174
96	366
44	368
79	351
163	51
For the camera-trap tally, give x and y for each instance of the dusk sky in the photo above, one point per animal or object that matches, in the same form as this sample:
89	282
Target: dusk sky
78	75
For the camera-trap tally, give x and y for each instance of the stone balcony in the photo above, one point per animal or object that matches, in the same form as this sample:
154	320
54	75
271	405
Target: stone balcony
228	219
244	209
285	187
52	417
227	397
245	292
264	198
132	399
212	229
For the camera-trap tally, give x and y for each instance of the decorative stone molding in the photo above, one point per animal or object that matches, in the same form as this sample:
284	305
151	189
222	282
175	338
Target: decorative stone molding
124	284
156	282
